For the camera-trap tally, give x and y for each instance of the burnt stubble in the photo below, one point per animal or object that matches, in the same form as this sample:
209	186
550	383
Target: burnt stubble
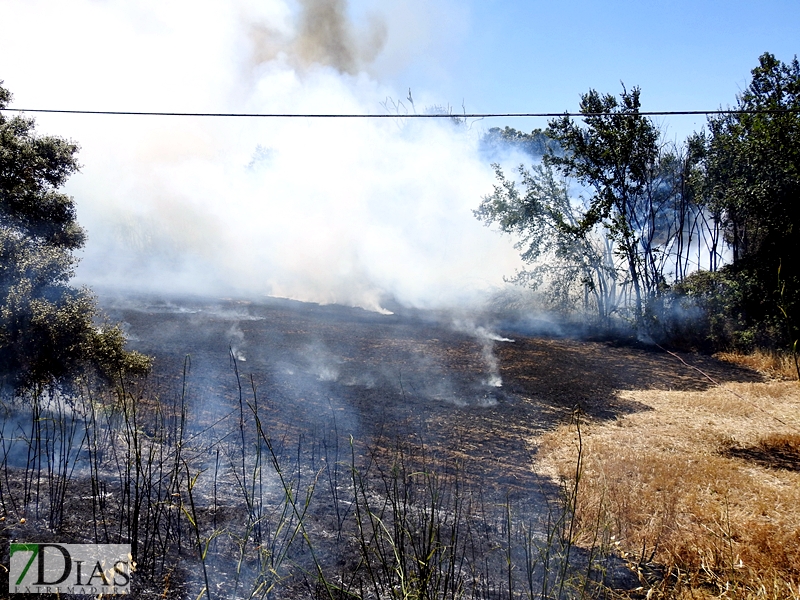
299	450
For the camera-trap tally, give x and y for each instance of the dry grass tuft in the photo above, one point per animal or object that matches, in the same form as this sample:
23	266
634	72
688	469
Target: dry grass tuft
780	365
777	451
669	485
788	444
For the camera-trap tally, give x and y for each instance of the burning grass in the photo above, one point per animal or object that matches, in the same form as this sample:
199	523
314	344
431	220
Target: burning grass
703	487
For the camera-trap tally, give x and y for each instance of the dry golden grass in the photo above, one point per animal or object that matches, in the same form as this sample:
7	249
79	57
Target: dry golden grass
692	483
773	364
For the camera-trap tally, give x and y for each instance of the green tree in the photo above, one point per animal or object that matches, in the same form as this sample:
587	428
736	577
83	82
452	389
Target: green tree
753	183
614	154
636	220
48	329
540	213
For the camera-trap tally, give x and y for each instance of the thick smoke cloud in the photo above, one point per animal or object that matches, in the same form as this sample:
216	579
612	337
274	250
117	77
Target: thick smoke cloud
357	212
323	37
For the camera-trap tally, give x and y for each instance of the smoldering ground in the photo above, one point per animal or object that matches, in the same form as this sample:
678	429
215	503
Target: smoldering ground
320	375
401	402
307	353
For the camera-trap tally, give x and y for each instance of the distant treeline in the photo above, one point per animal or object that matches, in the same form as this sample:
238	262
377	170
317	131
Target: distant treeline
694	243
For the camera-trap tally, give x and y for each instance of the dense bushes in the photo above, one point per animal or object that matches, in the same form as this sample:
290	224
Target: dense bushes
47	327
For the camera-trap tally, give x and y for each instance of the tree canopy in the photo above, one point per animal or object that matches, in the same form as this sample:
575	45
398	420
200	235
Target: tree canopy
710	225
628	229
47	328
753	182
614	154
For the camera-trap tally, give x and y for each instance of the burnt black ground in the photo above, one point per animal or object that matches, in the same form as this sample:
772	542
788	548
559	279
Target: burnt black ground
372	376
416	379
412	375
412	372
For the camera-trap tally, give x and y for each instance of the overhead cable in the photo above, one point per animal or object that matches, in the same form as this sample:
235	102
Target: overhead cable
403	116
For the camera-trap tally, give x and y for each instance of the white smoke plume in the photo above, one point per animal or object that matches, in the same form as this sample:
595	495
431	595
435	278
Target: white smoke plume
349	211
486	339
237	343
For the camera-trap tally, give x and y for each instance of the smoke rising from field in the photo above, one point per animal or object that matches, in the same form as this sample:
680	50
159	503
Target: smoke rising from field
487	340
357	212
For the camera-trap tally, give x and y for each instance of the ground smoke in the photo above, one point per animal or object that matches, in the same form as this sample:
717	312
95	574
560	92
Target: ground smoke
487	340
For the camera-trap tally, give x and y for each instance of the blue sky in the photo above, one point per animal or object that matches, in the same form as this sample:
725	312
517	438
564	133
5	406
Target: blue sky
339	211
534	56
492	55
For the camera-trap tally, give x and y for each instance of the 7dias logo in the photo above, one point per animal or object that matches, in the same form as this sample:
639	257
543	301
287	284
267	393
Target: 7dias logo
70	569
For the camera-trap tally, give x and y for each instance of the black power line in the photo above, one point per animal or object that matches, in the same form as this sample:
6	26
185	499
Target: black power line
395	116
